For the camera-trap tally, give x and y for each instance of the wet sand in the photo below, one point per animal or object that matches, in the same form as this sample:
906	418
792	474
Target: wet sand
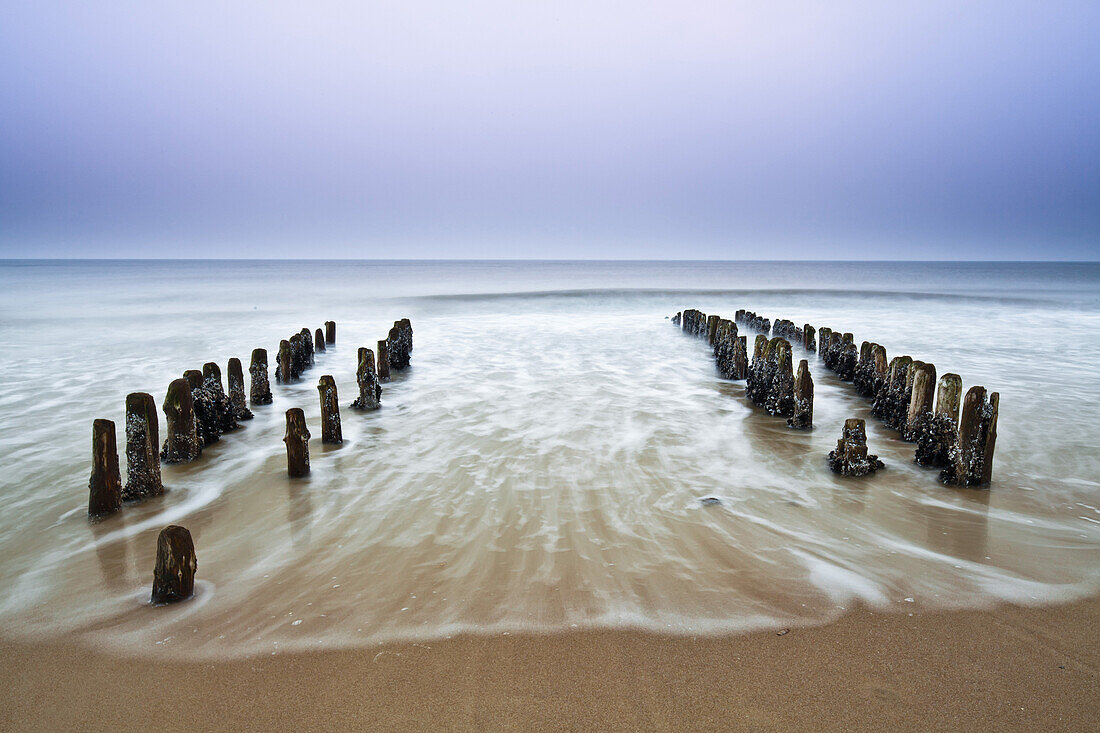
1007	668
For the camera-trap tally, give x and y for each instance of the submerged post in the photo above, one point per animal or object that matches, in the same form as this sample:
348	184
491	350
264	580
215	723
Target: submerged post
330	332
105	484
260	389
803	398
330	411
285	365
370	392
383	361
297	443
237	401
142	448
181	440
850	457
174	572
307	347
319	341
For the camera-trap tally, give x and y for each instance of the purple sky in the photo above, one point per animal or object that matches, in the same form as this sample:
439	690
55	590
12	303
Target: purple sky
897	130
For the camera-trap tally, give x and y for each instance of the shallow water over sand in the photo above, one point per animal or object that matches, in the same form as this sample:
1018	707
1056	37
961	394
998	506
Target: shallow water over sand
540	466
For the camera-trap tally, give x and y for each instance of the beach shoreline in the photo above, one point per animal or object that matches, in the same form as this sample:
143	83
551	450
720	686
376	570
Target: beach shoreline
1011	667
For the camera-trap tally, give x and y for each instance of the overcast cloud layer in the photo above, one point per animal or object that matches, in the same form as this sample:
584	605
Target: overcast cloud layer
906	130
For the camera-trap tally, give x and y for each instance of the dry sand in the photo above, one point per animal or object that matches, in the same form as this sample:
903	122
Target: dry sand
1009	668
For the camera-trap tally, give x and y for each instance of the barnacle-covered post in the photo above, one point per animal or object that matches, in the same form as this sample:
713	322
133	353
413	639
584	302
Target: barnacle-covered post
780	385
803	398
105	483
212	382
370	392
142	448
319	341
740	358
297	443
972	459
938	432
922	394
330	411
307	347
260	387
297	356
203	400
851	457
181	440
383	361
330	332
400	344
808	338
174	572
823	335
237	401
712	328
285	366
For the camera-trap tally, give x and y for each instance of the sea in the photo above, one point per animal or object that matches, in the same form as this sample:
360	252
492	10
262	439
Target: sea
543	463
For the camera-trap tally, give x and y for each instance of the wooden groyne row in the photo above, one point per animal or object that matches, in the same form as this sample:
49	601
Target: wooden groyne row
904	394
198	411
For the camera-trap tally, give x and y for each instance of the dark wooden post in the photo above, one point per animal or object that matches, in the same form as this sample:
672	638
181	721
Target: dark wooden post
297	443
319	341
307	347
105	484
937	433
803	398
370	392
330	411
330	332
142	448
174	572
260	389
237	401
922	394
383	361
285	367
712	328
972	463
181	440
808	338
212	382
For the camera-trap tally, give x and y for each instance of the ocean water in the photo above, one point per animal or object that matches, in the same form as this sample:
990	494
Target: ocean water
541	464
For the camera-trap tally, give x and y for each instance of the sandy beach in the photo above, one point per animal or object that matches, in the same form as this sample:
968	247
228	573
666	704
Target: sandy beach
1010	668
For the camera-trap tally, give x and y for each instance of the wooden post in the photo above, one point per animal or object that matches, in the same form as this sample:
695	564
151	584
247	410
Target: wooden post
740	358
780	380
181	440
297	443
947	397
851	457
330	332
370	392
937	433
206	409
307	347
105	484
803	398
922	393
260	389
174	572
319	341
330	411
237	401
212	382
297	356
142	444
808	338
712	328
285	365
383	361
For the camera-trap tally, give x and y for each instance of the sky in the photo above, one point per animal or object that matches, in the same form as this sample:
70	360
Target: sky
479	129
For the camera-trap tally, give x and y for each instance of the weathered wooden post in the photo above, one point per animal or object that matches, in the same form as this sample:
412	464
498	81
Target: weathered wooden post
370	392
712	328
803	398
260	388
892	400
174	572
383	361
823	335
181	440
105	484
400	343
297	443
851	457
740	358
207	422
142	448
676	319
938	432
212	382
972	461
319	341
809	338
237	402
285	365
922	393
307	347
780	386
297	356
330	332
330	411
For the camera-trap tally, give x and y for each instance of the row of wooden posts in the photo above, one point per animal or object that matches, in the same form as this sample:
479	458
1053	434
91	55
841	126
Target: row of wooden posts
197	411
903	393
